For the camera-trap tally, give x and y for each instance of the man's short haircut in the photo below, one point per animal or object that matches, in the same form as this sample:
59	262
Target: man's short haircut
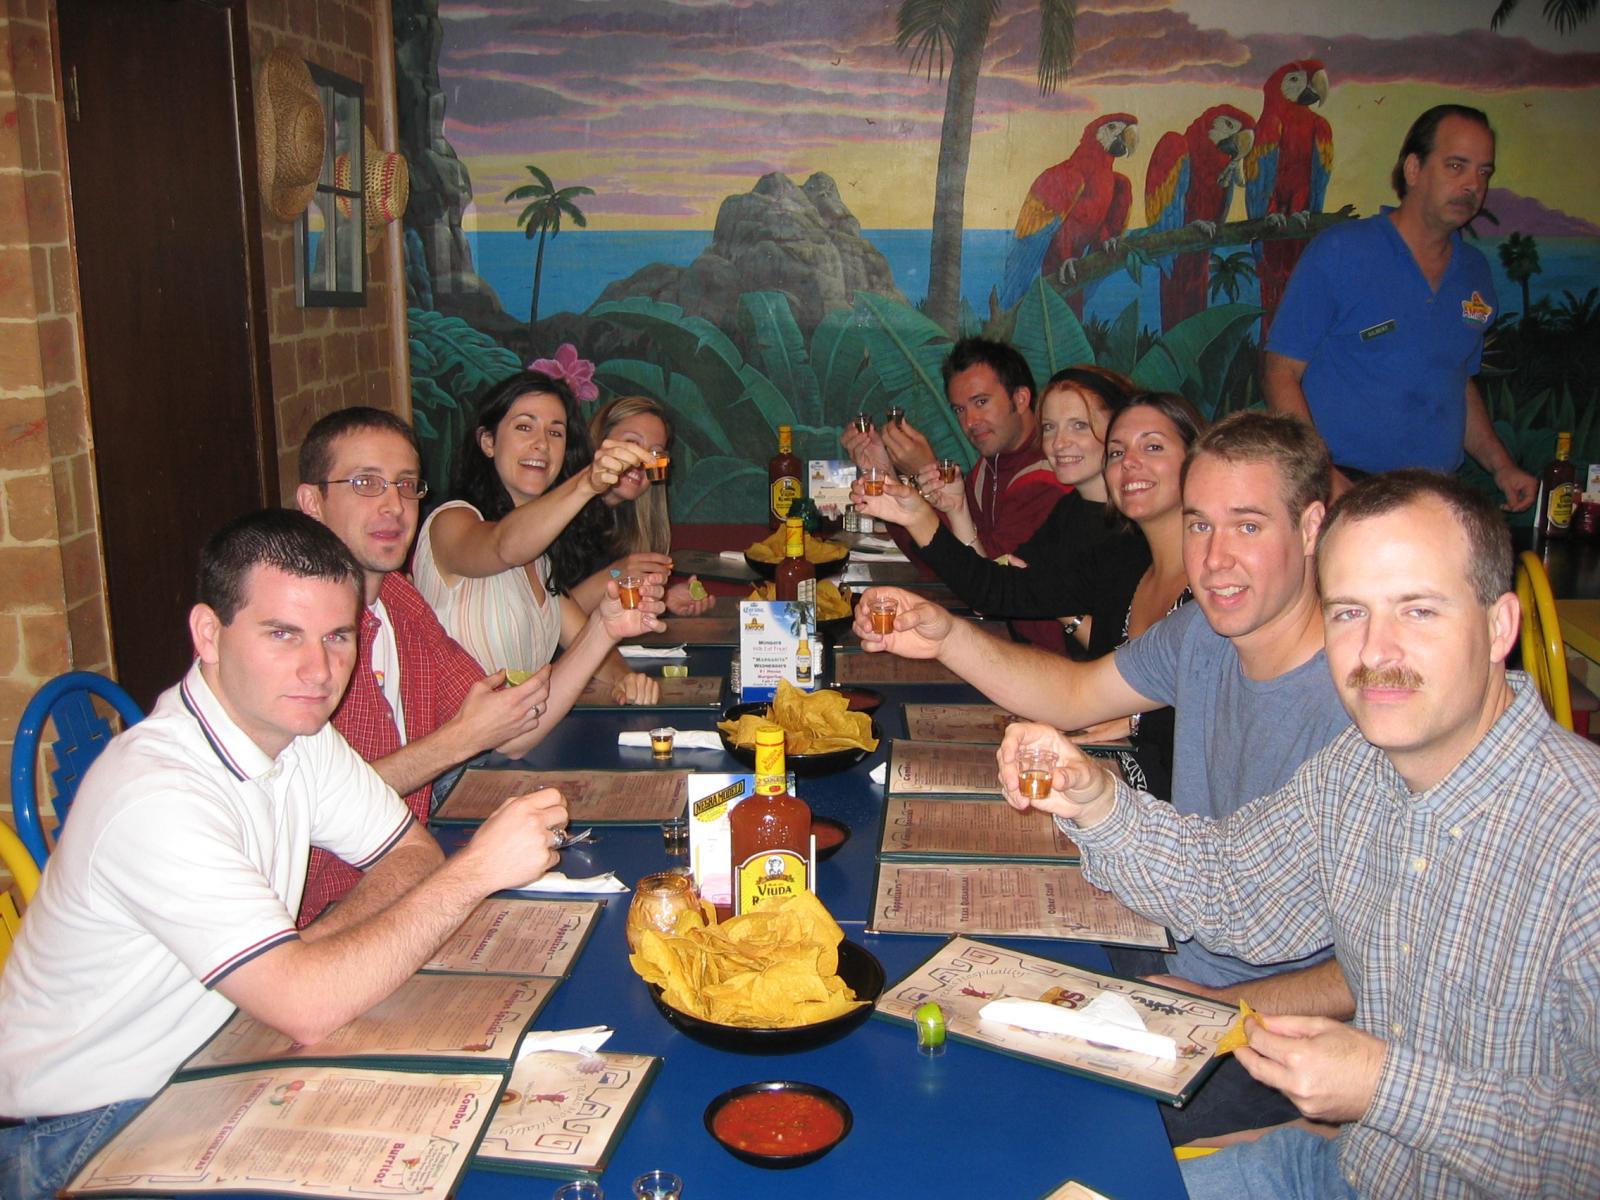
1424	132
1489	555
280	538
316	452
1003	360
1287	443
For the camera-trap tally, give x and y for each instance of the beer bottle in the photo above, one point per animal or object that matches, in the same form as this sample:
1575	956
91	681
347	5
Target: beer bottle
783	479
770	832
1557	492
796	578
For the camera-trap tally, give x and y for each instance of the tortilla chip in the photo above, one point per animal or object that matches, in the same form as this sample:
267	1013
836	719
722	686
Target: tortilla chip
771	548
812	723
1235	1036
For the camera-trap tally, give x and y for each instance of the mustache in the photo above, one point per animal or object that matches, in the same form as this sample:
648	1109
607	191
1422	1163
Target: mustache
1385	678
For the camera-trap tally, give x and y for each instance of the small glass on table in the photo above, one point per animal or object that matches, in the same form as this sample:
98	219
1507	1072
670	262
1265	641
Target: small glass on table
661	741
657	1185
658	901
1035	766
579	1189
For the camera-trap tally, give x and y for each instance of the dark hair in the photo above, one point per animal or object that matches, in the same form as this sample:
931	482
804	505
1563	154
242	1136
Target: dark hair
1489	555
316	452
280	538
1011	368
1291	445
1183	415
478	483
1424	132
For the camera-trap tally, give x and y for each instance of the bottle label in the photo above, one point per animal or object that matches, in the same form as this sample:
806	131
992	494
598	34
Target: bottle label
802	662
785	491
767	875
769	770
805	591
1561	506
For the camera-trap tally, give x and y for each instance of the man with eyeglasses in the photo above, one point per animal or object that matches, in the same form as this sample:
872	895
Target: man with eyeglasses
418	704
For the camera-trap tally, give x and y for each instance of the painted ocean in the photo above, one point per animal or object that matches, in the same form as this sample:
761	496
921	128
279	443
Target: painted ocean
580	263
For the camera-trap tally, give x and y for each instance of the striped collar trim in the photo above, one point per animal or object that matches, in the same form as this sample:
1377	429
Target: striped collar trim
243	759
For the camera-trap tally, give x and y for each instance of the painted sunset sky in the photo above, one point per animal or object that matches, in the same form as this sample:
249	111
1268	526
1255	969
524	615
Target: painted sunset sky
664	107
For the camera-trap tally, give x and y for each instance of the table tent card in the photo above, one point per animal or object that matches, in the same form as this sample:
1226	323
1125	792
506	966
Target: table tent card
593	797
777	640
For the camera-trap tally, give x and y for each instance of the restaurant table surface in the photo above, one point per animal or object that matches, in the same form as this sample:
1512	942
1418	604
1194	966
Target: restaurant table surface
972	1120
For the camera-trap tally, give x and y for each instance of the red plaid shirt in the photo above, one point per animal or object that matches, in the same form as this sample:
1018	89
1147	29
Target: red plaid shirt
435	676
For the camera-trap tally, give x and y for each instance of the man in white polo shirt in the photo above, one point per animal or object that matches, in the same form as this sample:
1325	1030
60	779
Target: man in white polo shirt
171	898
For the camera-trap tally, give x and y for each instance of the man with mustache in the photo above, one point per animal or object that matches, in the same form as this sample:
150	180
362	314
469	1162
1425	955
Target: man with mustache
1242	668
1381	329
1446	844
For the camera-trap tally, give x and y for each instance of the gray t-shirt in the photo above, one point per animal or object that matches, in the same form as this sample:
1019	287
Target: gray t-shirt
1236	738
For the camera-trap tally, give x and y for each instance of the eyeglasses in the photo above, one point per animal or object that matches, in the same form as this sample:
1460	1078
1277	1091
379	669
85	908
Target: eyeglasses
376	485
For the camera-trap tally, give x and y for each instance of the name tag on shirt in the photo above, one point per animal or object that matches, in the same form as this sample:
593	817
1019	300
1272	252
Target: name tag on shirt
1377	331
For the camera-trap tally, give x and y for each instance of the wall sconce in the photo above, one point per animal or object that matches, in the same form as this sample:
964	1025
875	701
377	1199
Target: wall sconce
330	258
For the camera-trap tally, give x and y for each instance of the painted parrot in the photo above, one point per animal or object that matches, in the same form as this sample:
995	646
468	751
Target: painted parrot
1286	174
1074	207
1190	181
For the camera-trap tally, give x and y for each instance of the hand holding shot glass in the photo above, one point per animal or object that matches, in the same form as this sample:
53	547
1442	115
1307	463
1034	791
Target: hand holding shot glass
628	590
881	611
1041	768
656	472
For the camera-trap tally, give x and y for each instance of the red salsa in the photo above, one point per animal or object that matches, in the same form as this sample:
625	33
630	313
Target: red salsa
778	1123
828	834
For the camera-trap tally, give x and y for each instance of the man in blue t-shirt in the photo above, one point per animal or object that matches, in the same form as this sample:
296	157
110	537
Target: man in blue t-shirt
1381	329
1243	669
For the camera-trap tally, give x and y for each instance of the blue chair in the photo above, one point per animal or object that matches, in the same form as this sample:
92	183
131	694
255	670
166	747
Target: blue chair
81	733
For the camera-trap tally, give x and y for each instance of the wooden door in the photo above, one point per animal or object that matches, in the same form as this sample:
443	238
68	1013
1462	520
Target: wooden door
161	159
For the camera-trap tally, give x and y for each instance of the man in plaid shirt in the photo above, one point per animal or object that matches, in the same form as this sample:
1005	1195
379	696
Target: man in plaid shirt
1448	848
418	703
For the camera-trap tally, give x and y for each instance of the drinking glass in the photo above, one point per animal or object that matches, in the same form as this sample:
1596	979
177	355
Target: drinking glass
579	1189
658	900
1034	768
657	1185
628	590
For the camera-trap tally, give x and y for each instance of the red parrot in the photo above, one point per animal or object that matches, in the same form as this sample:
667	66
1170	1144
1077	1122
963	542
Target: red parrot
1286	175
1072	208
1190	181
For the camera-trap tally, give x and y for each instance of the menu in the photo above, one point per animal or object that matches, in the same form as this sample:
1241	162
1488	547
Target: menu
1004	899
964	975
563	1113
593	797
939	827
713	629
983	723
940	769
693	691
511	936
862	667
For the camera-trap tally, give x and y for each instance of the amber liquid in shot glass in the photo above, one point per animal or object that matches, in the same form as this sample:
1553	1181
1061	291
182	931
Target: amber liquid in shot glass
661	742
882	618
863	423
873	485
897	415
1035	785
657	472
948	470
628	591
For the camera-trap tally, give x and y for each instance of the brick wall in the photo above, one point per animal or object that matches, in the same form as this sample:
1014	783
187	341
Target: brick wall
52	601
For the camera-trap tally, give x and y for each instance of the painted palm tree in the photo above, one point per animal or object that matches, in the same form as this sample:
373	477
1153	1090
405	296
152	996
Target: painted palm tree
1519	255
959	29
1231	273
1565	15
546	206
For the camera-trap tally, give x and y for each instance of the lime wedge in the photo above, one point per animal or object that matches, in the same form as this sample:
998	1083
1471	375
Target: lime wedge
930	1025
515	677
697	590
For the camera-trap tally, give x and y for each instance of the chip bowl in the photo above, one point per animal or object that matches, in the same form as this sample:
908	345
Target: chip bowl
804	765
858	967
791	1087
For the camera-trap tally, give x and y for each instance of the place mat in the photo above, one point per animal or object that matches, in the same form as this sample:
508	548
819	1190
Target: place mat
861	667
946	827
691	691
942	769
593	797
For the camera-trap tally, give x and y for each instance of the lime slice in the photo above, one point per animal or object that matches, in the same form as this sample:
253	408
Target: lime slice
697	590
930	1026
515	677
675	671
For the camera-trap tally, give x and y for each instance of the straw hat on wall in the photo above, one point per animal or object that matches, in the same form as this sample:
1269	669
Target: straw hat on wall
289	134
388	185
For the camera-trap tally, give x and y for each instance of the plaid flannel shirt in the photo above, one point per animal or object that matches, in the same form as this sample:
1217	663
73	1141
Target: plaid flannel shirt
1466	919
435	676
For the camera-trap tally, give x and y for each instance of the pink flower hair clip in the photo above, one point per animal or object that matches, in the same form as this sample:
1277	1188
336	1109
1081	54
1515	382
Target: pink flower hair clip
577	372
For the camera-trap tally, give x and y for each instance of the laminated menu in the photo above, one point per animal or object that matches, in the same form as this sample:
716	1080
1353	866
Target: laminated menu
950	827
982	723
507	935
965	976
942	769
562	1113
593	797
690	691
861	667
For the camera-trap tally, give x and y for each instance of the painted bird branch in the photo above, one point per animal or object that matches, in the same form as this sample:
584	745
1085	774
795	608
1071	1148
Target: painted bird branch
1151	245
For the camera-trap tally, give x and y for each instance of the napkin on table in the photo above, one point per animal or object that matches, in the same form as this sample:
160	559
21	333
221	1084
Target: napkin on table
573	1041
632	651
1109	1019
684	739
556	881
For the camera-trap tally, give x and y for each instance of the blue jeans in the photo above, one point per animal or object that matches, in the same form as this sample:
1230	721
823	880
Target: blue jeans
1288	1164
41	1156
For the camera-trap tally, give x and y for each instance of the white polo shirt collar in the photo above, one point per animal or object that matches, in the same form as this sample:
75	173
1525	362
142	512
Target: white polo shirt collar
232	746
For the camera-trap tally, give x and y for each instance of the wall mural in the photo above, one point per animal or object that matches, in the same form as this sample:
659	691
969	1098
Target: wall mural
765	213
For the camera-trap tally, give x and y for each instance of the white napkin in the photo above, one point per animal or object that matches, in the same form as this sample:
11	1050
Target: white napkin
879	774
879	547
732	555
629	651
573	1041
684	739
1109	1019
555	881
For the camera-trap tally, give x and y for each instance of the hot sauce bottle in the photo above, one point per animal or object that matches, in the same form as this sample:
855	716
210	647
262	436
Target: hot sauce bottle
770	831
1557	492
796	579
783	479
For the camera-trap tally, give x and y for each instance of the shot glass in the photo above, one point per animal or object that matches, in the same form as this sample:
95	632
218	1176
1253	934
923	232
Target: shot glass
661	741
949	470
895	414
579	1189
1034	768
873	479
675	835
657	1185
628	590
657	472
862	422
881	612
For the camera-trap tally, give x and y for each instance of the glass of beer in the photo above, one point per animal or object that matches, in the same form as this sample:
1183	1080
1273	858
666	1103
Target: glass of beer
628	590
873	479
1034	768
657	471
949	470
881	612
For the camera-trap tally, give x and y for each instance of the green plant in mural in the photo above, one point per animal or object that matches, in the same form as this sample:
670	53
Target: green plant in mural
1519	255
452	365
1231	274
547	205
959	29
1565	15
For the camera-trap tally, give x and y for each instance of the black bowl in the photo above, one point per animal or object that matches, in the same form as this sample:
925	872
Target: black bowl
825	570
804	765
832	841
779	1161
857	967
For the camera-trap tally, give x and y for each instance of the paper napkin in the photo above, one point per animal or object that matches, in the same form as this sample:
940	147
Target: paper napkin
684	739
879	774
1109	1019
556	881
573	1041
631	651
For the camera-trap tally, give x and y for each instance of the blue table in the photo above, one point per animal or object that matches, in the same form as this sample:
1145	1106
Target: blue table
972	1122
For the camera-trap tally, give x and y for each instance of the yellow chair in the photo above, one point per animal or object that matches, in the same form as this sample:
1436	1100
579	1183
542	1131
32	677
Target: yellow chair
26	874
1544	656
